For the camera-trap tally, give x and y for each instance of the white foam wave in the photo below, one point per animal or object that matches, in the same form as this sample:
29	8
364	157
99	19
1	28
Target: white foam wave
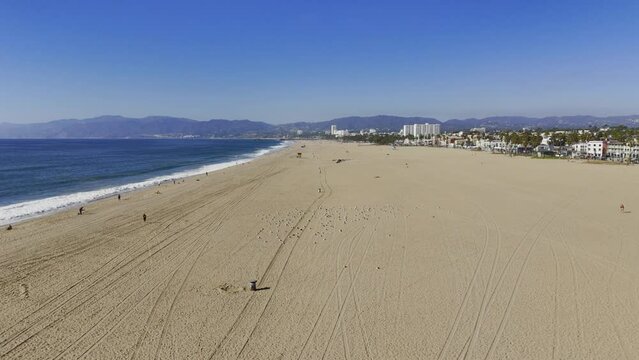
33	208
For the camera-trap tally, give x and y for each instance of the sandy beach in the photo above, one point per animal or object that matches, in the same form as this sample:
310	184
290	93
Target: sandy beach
414	253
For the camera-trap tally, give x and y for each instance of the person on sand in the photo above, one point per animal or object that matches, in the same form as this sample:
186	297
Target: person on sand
144	217
622	208
81	211
118	196
9	227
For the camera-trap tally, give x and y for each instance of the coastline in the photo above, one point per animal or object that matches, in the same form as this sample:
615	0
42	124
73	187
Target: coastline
26	210
414	252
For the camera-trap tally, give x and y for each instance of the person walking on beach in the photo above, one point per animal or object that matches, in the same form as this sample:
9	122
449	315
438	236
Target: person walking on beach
144	217
118	196
622	208
81	210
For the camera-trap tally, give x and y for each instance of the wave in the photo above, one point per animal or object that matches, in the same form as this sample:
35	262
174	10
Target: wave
34	208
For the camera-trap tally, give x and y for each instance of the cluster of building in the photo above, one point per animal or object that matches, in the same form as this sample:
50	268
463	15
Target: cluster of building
604	149
338	133
421	130
596	149
342	133
477	139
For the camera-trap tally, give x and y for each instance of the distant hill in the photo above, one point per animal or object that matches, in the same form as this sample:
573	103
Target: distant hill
121	127
113	126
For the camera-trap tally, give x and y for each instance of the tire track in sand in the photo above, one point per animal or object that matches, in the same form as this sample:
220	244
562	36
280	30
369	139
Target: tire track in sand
618	333
316	204
312	208
226	214
505	317
325	304
462	307
348	294
479	320
129	251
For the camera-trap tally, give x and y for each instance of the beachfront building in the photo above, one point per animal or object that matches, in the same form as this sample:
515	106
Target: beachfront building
545	146
491	145
596	149
333	129
579	150
424	130
618	151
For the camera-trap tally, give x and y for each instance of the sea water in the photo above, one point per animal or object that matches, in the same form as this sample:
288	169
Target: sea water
40	176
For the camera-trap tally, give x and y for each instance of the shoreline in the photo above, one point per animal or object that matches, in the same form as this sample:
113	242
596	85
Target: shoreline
63	202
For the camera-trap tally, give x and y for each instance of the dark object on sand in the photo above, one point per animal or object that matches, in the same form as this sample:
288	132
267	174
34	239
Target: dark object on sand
9	227
253	285
207	173
622	208
144	217
299	155
81	211
118	196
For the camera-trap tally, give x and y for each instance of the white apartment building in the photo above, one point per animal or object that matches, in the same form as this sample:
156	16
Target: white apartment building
491	145
579	150
333	129
421	129
617	151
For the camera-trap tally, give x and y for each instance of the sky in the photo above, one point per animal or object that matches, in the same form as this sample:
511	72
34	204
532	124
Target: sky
286	61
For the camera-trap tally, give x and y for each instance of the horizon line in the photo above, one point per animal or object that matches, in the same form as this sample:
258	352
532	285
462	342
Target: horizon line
320	121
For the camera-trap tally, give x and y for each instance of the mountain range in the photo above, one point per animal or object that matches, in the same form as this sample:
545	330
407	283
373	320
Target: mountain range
113	126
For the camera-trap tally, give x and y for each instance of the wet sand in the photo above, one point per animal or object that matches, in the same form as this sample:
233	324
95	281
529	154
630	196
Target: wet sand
414	253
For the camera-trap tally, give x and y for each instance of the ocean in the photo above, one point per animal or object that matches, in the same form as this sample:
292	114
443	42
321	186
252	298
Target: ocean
40	176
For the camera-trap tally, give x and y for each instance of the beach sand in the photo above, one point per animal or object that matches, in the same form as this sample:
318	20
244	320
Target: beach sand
414	253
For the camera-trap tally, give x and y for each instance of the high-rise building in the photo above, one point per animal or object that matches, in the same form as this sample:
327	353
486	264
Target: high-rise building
421	129
333	129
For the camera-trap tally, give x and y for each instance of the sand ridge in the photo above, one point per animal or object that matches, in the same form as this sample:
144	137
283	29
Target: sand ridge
420	253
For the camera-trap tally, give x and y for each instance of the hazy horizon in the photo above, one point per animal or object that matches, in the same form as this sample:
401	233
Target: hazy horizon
335	118
282	63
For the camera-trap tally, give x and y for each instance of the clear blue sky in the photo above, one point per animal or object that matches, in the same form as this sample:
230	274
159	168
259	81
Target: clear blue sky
282	61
